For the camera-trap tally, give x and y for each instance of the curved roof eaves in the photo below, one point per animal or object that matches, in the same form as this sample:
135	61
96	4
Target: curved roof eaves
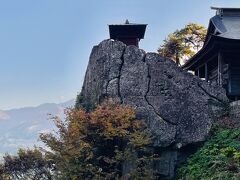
227	26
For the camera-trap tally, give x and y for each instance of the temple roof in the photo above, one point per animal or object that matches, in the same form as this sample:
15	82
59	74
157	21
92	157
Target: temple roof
226	11
224	26
127	30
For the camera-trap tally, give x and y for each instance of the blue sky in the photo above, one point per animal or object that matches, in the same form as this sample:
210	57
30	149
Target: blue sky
45	44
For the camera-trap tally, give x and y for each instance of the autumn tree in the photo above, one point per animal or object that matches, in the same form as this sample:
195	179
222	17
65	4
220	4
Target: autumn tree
97	144
184	43
27	164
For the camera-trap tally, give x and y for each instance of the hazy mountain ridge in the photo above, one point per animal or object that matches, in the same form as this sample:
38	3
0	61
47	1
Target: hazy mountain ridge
21	127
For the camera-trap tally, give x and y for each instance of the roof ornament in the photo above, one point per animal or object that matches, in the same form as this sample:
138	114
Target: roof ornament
219	11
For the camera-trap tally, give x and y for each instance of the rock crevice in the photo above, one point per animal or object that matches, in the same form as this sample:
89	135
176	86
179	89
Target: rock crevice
148	102
119	77
210	95
174	103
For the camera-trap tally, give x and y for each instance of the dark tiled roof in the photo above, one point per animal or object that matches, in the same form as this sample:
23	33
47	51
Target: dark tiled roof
127	30
224	25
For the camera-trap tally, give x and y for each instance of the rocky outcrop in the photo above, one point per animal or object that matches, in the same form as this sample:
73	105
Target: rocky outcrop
178	107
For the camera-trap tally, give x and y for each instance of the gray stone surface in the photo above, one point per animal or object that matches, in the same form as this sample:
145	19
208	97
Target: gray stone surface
234	112
235	109
178	107
166	164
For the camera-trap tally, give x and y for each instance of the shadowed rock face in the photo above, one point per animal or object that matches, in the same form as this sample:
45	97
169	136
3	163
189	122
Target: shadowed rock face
178	107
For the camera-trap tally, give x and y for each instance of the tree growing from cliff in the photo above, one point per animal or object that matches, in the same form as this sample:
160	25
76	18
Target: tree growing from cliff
97	144
184	43
82	103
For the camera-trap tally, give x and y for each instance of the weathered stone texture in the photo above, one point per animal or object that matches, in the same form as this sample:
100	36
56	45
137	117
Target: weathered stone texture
178	107
235	109
234	113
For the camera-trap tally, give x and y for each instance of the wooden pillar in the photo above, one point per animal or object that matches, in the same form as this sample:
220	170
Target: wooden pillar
220	68
137	42
197	72
206	71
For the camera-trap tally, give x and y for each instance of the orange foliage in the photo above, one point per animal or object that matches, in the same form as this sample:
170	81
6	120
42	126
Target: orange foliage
95	144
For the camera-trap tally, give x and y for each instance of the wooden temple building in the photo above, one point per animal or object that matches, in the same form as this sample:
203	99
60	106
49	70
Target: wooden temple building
218	61
128	33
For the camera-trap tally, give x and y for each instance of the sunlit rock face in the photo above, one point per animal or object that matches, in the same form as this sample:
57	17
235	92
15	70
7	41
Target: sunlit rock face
179	108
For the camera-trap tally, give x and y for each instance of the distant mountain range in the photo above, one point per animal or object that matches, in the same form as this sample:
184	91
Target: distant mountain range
20	128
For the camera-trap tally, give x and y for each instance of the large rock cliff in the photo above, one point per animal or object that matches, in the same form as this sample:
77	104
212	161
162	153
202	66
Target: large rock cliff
178	107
